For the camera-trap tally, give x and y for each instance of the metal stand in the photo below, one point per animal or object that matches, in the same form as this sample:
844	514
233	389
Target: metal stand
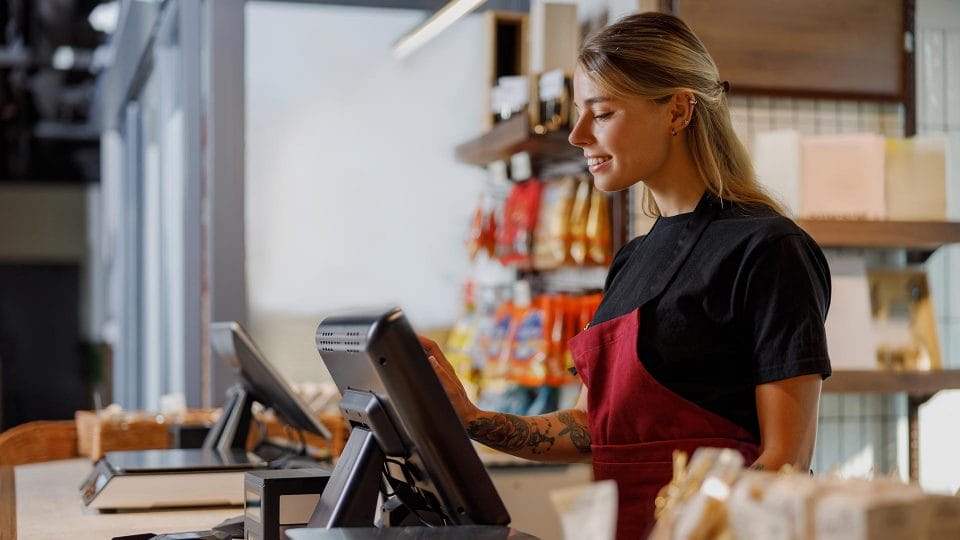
350	498
232	428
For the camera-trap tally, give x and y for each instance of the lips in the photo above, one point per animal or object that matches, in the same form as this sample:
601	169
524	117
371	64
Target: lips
597	160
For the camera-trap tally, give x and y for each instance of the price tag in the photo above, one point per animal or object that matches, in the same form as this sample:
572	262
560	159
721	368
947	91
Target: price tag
520	168
551	85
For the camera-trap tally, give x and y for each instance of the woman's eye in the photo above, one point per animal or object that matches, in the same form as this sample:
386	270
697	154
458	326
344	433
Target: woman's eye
602	116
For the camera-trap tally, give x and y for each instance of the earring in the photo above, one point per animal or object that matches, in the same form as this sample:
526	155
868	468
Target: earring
673	132
693	101
687	121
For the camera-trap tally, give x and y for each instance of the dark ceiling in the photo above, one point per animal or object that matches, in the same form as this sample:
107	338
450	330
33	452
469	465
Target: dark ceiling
44	133
43	110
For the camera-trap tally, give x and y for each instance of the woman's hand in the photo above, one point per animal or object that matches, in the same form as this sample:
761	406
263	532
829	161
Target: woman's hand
466	410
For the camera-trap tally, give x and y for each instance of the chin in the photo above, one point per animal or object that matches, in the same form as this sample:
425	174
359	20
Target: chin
609	185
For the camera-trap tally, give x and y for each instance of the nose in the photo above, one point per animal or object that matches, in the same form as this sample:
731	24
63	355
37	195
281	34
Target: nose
580	135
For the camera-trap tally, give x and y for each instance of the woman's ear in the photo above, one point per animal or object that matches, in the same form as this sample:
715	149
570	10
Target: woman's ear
682	107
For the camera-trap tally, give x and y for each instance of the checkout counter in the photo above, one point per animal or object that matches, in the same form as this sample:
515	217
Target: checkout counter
40	502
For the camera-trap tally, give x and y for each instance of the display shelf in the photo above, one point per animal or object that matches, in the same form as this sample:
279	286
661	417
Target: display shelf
919	386
922	383
918	235
512	136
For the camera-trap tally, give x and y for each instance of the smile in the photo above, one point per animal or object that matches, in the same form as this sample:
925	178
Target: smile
597	160
597	163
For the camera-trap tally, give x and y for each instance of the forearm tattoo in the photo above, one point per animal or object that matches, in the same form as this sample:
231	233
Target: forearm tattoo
511	433
758	466
578	433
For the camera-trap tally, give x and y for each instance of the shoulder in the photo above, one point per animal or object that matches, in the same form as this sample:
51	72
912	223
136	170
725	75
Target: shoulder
758	228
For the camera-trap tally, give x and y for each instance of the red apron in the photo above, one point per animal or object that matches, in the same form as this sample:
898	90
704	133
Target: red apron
635	422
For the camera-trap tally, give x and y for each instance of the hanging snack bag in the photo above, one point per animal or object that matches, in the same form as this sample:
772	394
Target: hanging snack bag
488	234
475	236
461	342
552	237
495	343
529	345
578	222
515	239
553	326
598	229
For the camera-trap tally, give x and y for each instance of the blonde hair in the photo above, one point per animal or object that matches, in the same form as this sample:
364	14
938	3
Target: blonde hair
656	55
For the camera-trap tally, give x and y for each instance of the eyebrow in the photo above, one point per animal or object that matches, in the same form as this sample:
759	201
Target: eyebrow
594	100
597	99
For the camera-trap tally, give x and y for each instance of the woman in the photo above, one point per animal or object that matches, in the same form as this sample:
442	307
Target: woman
711	329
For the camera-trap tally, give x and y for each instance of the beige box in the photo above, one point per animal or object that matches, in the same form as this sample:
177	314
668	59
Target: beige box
916	179
554	36
842	176
943	516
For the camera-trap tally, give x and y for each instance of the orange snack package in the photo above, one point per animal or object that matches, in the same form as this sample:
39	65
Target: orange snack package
529	345
552	239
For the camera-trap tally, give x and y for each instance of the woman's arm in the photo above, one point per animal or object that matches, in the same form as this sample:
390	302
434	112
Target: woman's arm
558	437
788	422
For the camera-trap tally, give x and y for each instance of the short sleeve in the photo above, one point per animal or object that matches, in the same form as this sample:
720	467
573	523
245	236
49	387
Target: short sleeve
786	295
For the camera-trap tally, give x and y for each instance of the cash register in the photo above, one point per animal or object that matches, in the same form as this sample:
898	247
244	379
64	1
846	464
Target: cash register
213	474
407	448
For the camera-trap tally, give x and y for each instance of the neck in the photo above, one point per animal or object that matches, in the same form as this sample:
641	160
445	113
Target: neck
678	195
678	188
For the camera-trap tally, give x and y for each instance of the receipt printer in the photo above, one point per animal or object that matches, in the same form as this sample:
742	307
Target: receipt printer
281	499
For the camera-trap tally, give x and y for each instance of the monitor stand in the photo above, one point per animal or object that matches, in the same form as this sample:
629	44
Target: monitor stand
181	477
351	496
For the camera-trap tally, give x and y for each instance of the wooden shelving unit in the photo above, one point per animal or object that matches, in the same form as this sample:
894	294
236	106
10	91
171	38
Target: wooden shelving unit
918	383
918	235
918	238
512	136
919	386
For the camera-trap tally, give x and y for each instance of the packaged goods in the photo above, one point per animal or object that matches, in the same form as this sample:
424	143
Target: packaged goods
842	176
551	245
869	514
599	248
916	178
579	215
483	229
749	519
515	236
476	230
496	346
693	505
529	345
556	373
461	345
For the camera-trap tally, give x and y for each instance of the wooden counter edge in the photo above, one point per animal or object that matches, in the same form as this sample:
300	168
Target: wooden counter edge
8	504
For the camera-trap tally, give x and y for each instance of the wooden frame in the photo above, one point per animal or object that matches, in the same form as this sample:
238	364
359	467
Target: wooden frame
816	48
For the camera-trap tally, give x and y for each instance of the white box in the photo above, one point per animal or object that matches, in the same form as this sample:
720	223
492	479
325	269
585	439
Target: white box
777	164
850	334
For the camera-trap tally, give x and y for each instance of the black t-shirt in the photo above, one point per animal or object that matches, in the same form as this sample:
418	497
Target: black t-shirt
747	307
